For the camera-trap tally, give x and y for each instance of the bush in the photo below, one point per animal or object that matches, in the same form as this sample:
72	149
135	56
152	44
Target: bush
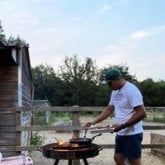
37	139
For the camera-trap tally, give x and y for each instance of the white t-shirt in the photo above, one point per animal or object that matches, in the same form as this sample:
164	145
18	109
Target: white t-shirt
124	100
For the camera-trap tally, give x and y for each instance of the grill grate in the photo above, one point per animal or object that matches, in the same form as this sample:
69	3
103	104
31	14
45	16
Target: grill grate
83	152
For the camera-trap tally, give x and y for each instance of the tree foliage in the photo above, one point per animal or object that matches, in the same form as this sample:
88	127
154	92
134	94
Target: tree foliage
153	92
80	81
11	40
77	84
47	85
2	35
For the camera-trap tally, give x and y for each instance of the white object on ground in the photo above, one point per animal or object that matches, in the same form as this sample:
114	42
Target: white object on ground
17	160
0	156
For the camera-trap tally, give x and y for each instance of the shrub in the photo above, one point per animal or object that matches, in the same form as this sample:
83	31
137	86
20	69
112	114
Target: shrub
37	139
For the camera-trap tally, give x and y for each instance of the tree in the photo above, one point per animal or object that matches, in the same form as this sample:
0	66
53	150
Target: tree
11	40
17	41
2	36
80	80
153	92
47	86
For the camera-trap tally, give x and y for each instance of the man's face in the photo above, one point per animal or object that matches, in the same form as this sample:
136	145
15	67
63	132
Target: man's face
113	84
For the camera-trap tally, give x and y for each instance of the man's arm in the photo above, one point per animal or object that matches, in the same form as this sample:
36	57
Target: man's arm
102	116
139	115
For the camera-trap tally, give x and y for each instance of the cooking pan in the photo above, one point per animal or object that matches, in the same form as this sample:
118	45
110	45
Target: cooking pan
83	141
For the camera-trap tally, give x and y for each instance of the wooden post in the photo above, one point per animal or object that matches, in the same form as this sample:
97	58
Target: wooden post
76	122
48	113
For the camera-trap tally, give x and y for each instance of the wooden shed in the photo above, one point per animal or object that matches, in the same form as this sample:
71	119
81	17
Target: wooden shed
16	91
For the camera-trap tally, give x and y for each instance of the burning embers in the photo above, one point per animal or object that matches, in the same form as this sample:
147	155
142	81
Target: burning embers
74	143
61	144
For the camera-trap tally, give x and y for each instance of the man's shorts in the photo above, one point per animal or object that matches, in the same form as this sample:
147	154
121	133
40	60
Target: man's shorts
129	145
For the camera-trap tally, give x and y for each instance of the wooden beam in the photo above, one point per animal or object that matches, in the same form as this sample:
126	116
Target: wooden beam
71	128
7	110
154	127
20	148
60	109
144	146
104	146
47	128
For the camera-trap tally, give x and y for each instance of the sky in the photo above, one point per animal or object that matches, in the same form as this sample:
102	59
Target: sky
111	32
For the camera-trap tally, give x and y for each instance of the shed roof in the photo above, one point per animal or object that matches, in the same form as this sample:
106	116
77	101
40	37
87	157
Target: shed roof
6	48
13	44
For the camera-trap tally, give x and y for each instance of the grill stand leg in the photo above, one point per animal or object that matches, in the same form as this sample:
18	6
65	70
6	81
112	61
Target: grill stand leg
70	162
85	161
56	162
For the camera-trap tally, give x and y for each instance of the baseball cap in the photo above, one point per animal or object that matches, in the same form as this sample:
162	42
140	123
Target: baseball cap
112	74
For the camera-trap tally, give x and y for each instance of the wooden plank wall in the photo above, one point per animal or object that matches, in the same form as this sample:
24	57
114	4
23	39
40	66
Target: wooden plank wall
26	98
8	100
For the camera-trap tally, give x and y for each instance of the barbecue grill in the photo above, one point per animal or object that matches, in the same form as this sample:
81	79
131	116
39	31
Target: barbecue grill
70	152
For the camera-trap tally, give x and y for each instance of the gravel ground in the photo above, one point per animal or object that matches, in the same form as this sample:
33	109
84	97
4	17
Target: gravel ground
105	156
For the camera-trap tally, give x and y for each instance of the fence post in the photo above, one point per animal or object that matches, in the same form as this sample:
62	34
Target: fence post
76	122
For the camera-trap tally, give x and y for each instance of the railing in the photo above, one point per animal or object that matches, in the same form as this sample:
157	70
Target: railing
75	127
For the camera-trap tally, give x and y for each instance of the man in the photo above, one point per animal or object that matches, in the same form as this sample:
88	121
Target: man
126	102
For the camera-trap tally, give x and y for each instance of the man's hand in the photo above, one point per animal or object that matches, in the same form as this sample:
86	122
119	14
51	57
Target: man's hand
118	127
88	124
